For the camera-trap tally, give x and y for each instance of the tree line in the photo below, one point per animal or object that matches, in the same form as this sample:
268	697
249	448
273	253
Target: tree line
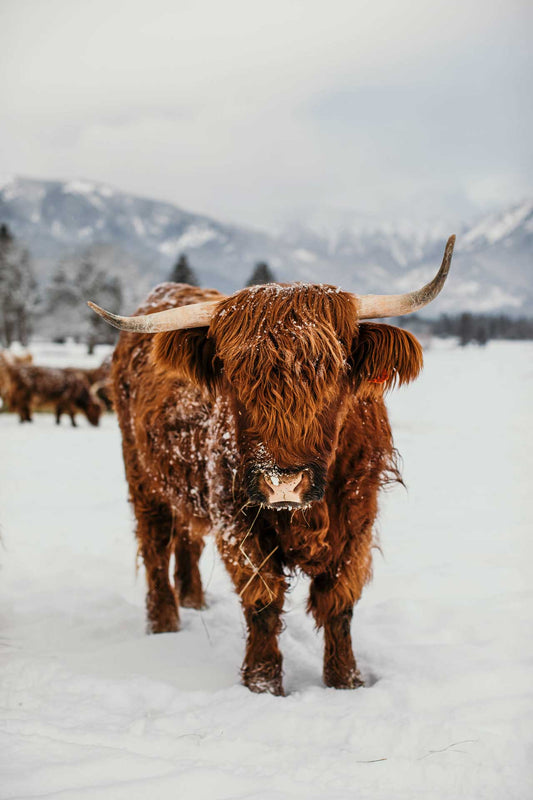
182	272
19	297
59	310
470	328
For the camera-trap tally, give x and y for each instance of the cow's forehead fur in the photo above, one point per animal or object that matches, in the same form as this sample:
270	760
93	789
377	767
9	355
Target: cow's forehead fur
284	349
309	314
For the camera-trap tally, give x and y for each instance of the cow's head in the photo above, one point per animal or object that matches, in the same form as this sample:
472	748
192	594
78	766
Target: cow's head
288	359
89	404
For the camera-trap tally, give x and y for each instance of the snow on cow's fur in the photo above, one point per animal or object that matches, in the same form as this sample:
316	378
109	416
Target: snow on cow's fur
285	388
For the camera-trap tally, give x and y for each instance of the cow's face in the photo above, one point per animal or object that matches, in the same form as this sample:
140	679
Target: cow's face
91	407
289	360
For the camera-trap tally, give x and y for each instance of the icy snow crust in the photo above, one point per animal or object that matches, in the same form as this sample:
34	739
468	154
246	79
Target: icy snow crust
93	708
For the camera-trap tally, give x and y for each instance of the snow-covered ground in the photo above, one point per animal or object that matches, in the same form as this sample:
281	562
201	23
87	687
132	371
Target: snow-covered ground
93	708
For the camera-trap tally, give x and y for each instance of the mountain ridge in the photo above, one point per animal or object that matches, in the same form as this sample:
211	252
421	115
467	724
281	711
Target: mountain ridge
492	267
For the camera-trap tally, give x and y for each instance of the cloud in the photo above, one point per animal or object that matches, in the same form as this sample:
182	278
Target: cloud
248	111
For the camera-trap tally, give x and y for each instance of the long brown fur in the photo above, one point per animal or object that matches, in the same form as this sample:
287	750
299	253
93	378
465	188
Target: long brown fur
284	377
27	386
8	361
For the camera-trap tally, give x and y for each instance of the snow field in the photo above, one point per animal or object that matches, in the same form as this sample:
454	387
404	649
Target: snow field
93	708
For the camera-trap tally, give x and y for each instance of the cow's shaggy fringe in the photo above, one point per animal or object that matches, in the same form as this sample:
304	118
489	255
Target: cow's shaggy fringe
284	340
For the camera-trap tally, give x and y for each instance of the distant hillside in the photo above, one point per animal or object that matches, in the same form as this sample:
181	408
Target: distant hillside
492	269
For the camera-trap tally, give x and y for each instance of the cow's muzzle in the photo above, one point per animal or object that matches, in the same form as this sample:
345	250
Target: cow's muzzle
285	489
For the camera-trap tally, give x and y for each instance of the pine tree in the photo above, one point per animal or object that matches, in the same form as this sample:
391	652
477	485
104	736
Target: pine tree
182	272
18	289
106	291
62	317
67	315
466	329
261	274
481	331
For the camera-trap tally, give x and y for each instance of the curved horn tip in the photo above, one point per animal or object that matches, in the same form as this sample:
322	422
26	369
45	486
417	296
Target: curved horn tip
380	306
94	307
450	243
448	253
100	311
107	316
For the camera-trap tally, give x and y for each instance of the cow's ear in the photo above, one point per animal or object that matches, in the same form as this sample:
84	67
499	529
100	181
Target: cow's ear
382	357
190	355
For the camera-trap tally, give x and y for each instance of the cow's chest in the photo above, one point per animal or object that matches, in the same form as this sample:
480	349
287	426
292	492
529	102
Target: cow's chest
304	539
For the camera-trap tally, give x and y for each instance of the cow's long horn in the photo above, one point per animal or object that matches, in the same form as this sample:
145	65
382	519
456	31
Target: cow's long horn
195	315
374	306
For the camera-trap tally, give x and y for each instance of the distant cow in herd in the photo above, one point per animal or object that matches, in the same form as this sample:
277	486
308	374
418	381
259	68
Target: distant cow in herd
100	382
260	417
25	387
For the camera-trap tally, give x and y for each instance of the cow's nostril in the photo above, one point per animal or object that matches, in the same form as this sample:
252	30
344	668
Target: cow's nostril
272	481
298	485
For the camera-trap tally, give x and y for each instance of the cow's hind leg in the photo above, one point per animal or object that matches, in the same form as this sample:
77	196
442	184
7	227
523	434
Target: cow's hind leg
187	579
257	574
155	536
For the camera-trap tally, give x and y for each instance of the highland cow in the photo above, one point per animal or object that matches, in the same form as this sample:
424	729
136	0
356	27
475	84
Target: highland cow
260	417
65	391
100	383
8	361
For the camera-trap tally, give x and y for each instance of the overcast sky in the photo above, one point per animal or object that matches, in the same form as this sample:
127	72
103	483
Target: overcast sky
260	111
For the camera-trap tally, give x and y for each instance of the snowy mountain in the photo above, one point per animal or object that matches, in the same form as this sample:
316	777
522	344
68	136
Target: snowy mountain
491	272
492	267
57	218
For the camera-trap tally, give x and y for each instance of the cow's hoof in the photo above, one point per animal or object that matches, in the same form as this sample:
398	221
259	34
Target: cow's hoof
263	683
352	680
168	623
192	601
168	627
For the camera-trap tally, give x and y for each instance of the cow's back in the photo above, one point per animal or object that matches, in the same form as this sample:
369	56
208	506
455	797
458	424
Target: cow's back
163	420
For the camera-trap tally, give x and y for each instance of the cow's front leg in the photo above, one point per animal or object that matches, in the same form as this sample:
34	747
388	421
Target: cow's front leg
340	669
262	667
331	602
256	571
23	406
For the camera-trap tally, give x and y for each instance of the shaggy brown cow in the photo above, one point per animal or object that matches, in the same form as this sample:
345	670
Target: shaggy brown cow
8	360
100	382
66	390
260	417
